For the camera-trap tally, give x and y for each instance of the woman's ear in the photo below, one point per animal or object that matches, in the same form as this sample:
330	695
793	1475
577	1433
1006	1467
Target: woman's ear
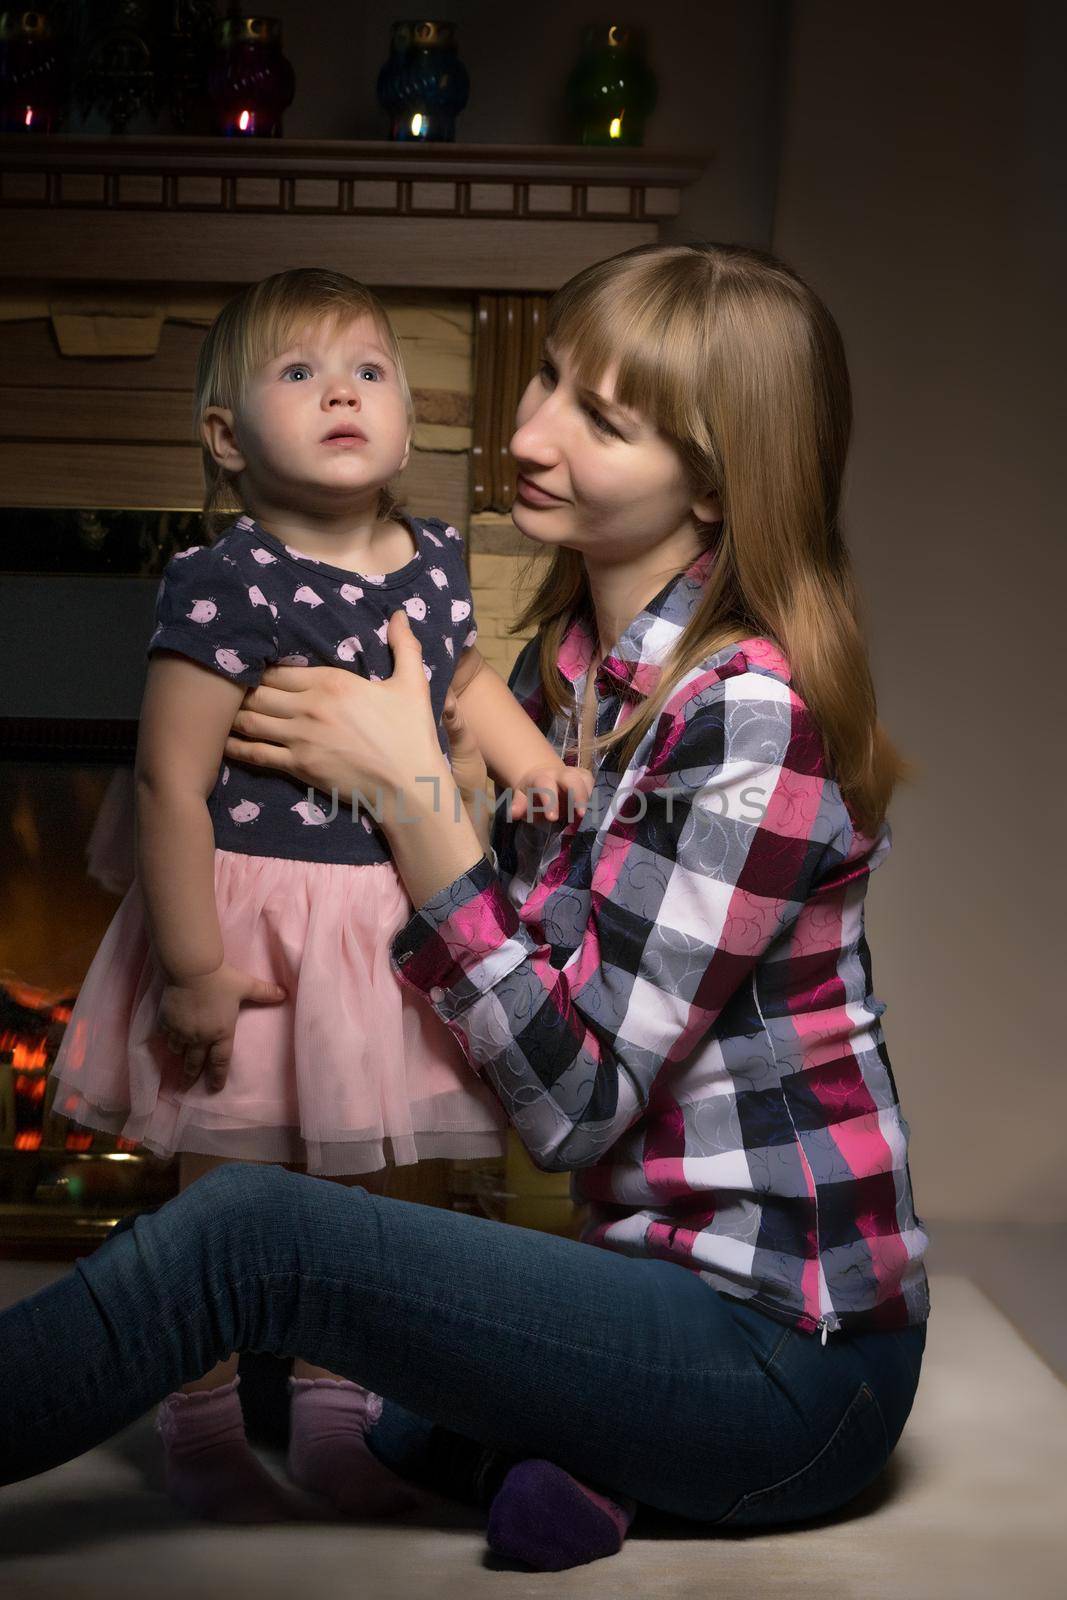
708	508
216	430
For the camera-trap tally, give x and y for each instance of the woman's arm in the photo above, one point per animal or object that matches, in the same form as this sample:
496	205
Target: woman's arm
706	857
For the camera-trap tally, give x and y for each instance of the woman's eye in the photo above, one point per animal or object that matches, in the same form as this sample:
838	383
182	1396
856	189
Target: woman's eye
299	373
601	423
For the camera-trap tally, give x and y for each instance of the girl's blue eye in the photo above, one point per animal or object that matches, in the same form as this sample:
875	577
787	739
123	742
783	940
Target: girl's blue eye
377	371
294	372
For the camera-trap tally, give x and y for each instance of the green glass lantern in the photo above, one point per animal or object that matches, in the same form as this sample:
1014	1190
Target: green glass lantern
612	89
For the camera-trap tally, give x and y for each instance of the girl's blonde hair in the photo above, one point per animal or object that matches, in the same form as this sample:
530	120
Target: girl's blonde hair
253	328
741	366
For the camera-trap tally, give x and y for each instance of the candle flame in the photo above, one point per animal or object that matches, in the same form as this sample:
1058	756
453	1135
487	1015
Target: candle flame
243	120
29	116
416	124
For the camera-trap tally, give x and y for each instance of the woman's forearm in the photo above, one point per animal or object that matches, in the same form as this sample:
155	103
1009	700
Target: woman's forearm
431	835
176	870
478	804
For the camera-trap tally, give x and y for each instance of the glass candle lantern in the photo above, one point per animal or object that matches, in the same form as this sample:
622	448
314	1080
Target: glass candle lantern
423	85
612	89
33	73
250	82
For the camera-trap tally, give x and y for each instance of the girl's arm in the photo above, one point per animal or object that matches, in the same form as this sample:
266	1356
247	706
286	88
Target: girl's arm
519	757
185	716
511	744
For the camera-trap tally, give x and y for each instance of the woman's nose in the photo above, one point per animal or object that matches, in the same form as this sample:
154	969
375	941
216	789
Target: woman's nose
534	439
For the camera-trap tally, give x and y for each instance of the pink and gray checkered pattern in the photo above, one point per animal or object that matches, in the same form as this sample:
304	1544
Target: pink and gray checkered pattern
678	1007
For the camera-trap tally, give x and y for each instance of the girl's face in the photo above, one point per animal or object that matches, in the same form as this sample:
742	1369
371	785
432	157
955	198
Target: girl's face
595	477
322	423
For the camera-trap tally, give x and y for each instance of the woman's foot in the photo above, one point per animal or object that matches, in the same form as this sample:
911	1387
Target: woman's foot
328	1450
211	1470
547	1518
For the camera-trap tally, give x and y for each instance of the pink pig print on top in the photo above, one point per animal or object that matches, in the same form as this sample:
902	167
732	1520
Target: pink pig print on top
246	811
247	602
230	661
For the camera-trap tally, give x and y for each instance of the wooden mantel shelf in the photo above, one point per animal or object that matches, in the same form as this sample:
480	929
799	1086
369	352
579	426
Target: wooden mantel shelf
350	157
484	216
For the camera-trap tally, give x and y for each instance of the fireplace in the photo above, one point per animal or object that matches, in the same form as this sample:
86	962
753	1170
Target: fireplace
115	255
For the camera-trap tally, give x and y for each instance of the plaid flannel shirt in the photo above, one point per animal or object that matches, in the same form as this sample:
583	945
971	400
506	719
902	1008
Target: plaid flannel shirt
672	995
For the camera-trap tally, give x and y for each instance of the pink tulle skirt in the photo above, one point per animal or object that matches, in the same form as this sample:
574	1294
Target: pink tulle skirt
353	1071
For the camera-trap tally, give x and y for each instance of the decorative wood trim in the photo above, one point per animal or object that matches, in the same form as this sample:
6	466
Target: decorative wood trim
508	334
143	246
467	216
340	177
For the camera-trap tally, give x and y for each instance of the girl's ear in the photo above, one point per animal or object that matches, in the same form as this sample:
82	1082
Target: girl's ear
708	508
216	430
407	452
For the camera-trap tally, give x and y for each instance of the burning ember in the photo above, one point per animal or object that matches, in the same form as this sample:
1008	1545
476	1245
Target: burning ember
32	1023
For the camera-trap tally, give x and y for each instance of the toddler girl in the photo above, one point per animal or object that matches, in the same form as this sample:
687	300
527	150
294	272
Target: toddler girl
242	1005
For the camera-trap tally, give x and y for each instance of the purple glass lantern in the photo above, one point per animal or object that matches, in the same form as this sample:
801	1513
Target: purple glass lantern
250	82
33	73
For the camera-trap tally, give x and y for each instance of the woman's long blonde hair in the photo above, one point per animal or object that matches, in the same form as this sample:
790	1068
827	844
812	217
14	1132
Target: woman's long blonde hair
741	366
253	328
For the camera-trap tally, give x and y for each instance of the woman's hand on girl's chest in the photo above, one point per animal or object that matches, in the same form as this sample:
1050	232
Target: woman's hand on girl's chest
336	730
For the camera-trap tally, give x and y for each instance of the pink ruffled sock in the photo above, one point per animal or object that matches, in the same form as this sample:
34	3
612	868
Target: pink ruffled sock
328	1450
211	1470
547	1518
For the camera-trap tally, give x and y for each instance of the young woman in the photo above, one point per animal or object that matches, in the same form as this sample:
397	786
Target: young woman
670	995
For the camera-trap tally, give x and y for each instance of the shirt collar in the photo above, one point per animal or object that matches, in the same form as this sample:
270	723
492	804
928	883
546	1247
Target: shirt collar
636	660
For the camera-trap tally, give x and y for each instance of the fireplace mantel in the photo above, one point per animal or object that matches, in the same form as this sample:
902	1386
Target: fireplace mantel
507	217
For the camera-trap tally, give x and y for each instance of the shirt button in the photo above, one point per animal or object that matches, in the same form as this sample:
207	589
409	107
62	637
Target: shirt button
437	994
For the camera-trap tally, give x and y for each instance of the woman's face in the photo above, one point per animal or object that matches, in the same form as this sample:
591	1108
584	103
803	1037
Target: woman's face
595	477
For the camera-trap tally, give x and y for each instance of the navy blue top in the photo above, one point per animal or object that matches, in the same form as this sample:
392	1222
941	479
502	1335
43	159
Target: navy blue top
248	601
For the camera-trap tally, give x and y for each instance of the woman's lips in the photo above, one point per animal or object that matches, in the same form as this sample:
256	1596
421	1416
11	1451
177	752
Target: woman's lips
531	495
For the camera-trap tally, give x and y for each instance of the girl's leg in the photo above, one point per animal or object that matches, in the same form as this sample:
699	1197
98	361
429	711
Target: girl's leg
632	1374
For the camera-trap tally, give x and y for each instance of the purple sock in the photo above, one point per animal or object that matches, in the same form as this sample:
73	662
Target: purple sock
211	1470
328	1453
545	1517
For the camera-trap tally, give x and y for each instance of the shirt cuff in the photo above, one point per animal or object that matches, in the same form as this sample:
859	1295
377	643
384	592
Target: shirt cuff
445	949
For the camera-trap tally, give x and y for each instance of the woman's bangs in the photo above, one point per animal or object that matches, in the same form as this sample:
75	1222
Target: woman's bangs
603	328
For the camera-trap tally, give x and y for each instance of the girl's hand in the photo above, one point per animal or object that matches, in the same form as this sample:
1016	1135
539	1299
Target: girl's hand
547	789
336	730
198	1017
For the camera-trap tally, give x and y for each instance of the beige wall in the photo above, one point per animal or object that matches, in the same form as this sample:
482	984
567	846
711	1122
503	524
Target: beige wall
916	194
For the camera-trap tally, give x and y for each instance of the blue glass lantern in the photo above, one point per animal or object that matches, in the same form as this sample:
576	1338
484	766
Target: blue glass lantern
423	86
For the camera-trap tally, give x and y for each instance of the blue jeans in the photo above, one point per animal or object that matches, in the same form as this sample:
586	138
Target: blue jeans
490	1342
